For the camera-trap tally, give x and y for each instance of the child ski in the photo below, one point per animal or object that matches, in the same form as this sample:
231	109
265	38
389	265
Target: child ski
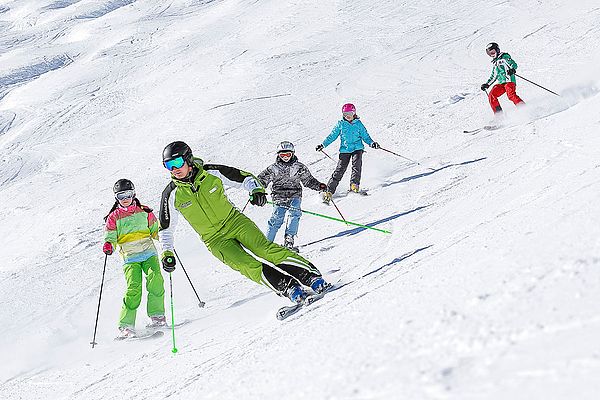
287	175
132	226
503	72
352	134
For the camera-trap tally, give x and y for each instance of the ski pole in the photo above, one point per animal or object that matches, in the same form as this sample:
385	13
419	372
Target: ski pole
93	342
333	218
246	205
338	210
406	158
200	302
525	79
323	151
174	349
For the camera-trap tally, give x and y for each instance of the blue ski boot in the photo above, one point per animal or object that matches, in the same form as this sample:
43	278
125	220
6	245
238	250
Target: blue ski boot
296	294
318	285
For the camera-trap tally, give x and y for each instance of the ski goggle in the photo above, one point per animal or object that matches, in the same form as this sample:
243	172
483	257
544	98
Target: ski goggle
124	195
177	162
285	154
348	114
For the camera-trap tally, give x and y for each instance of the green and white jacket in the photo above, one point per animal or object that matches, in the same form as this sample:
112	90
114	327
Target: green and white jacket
202	200
501	64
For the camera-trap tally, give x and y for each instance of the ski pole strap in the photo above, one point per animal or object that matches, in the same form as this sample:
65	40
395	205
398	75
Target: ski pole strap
540	86
333	218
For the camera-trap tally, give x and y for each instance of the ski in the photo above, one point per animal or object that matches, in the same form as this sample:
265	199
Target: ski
287	311
141	336
483	128
167	327
360	192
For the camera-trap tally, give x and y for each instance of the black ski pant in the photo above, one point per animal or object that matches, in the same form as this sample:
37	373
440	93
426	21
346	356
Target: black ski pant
342	165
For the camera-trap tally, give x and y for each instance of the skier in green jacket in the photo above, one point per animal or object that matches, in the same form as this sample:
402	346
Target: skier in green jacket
196	191
503	73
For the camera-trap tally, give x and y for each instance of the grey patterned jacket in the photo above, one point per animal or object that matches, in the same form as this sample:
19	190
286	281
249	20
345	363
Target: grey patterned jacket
287	178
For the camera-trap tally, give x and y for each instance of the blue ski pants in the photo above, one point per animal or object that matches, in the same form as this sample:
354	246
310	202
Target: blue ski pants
278	216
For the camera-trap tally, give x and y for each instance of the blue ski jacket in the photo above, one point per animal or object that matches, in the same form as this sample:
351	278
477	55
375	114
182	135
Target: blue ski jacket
352	135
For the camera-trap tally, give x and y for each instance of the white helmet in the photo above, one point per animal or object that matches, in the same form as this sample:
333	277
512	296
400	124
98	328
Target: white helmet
286	146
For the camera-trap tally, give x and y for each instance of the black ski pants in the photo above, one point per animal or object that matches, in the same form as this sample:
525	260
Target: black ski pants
342	165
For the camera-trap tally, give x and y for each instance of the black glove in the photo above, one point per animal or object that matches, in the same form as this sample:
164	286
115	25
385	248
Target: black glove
258	199
375	145
322	187
319	147
511	71
168	261
485	86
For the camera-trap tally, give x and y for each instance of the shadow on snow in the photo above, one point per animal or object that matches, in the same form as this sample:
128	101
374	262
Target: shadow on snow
394	261
424	174
351	232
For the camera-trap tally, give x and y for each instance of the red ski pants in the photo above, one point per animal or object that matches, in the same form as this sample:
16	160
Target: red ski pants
510	88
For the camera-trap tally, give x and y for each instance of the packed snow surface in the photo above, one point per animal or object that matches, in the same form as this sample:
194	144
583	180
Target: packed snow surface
488	286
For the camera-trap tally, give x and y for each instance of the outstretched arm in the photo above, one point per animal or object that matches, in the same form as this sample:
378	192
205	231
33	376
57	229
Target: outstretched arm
235	177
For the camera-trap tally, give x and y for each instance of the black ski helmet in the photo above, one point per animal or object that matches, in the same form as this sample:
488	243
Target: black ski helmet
177	149
492	46
122	185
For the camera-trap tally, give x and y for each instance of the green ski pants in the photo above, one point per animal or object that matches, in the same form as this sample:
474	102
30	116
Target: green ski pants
240	233
133	295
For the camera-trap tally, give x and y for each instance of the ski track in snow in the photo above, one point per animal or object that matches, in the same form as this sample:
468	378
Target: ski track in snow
487	286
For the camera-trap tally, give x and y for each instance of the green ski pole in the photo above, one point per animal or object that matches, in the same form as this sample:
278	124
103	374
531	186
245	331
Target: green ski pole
334	219
174	350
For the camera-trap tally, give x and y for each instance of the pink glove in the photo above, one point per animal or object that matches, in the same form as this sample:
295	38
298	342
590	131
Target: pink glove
107	248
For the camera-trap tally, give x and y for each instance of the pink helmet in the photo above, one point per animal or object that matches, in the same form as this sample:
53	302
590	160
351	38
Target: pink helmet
349	107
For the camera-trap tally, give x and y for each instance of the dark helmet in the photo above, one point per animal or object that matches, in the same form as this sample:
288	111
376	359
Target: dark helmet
492	46
122	185
177	149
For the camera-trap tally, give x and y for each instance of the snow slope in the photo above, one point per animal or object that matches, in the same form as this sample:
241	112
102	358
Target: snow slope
488	286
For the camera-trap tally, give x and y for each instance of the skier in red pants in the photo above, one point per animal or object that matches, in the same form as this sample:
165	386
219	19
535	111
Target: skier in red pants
503	72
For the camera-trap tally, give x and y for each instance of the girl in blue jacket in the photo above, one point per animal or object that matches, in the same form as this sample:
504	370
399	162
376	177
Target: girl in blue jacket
352	134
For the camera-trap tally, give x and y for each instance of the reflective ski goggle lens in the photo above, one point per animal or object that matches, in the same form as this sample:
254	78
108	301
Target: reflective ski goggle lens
174	163
285	154
348	113
124	195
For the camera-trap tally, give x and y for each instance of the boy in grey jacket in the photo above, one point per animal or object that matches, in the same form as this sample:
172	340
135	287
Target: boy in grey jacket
287	175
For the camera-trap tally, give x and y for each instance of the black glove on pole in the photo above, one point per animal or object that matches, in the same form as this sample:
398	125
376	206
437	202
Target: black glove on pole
258	199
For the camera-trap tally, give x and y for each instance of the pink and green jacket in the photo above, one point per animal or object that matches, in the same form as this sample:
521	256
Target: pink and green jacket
132	229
